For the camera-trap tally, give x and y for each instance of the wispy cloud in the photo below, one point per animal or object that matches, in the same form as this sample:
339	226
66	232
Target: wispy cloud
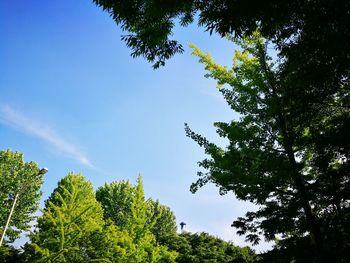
11	117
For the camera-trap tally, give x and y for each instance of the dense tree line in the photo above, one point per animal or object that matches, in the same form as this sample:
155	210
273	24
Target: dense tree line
114	224
202	247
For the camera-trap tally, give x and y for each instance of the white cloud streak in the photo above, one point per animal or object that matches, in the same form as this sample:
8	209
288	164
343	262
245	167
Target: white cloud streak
11	117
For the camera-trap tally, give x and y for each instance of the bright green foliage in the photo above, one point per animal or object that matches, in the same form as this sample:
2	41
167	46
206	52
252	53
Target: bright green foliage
72	229
204	248
18	176
164	228
132	216
138	226
288	153
110	244
116	199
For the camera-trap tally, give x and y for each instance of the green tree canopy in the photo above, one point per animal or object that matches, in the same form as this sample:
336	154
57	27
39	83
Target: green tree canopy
126	206
18	177
72	229
116	199
311	34
288	154
164	229
204	248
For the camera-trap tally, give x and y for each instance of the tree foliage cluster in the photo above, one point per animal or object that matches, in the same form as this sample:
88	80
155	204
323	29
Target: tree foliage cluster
311	33
111	225
204	248
115	223
288	153
17	176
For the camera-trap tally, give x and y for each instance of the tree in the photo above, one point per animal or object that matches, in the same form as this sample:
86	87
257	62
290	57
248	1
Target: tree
164	229
287	154
18	176
126	206
311	34
110	244
72	229
202	247
116	199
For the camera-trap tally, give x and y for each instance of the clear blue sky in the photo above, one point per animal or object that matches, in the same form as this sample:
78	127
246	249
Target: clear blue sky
72	99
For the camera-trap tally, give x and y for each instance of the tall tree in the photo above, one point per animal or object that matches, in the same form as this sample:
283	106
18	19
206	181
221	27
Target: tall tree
18	177
282	154
126	206
72	229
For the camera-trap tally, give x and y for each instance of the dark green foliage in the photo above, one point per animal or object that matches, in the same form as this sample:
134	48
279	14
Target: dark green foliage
311	34
148	25
18	176
288	154
204	248
9	254
298	250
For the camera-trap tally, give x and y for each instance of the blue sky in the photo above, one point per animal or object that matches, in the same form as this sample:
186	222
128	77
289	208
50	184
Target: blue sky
72	99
